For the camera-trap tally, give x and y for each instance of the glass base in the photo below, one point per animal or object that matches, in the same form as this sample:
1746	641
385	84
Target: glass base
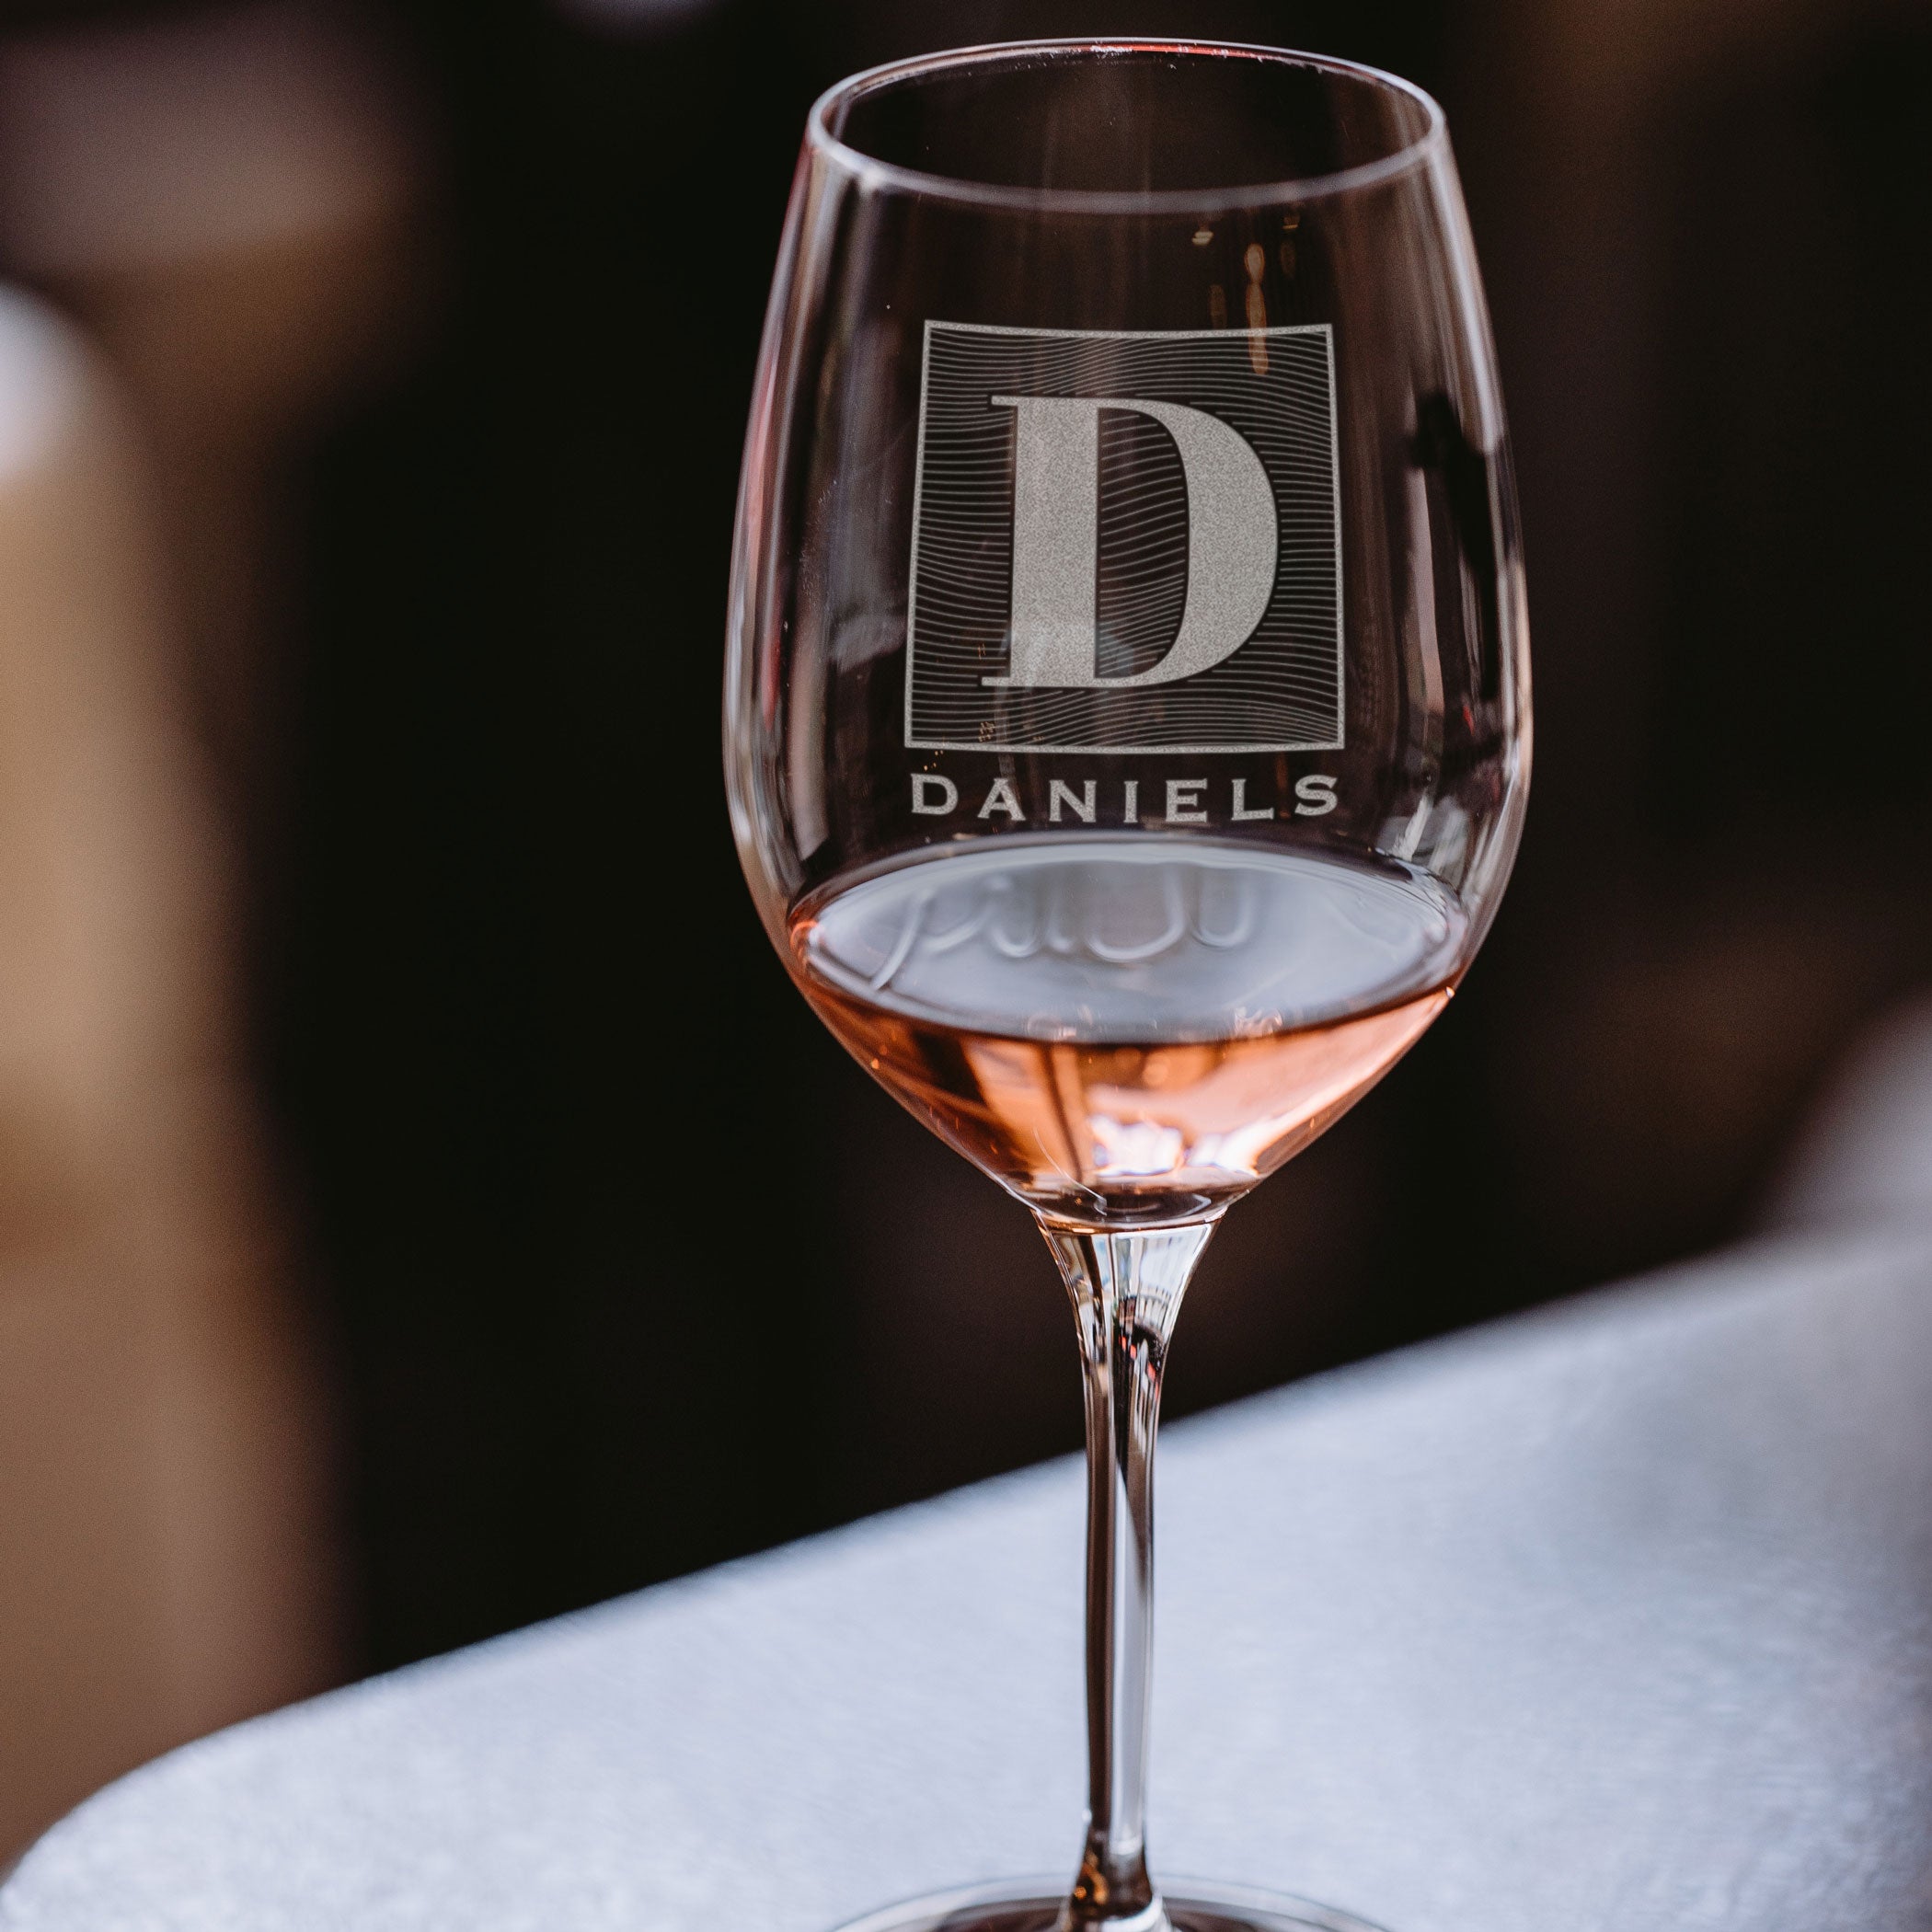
1035	1904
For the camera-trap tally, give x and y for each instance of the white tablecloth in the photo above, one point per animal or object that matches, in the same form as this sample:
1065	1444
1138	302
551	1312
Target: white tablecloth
1618	1616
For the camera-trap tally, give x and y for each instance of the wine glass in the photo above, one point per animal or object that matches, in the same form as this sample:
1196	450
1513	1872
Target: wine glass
1127	710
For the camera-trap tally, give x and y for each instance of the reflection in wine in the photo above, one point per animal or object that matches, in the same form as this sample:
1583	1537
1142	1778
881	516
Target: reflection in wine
1129	1030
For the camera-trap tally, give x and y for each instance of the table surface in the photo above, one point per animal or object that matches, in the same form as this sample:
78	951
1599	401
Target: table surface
1616	1615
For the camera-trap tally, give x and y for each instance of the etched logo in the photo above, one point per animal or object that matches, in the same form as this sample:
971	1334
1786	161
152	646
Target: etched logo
1125	543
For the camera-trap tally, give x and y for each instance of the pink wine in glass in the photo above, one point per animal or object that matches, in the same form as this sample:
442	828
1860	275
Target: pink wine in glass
1133	1028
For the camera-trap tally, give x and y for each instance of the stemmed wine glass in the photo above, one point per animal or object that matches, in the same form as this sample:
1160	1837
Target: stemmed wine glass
1127	712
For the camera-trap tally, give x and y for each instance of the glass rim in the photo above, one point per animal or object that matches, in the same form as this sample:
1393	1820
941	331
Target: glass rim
873	173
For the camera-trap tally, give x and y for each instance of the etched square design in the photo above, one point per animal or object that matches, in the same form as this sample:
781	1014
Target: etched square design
1126	542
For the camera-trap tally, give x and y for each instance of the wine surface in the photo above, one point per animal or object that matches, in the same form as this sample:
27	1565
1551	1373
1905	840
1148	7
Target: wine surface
1129	1028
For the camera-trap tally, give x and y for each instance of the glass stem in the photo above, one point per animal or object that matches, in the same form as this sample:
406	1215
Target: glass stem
1126	1286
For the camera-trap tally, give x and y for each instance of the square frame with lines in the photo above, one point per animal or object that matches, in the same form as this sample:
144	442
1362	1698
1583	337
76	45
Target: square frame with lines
1087	570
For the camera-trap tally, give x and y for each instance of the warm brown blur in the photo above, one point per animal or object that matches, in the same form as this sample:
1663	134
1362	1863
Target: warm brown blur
159	1444
383	1259
207	201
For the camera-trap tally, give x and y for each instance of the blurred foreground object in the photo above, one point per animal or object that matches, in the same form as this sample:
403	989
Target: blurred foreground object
225	195
1866	1154
162	1546
220	196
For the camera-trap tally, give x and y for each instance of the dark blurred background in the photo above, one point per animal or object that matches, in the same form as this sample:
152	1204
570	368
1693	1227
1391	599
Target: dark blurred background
410	350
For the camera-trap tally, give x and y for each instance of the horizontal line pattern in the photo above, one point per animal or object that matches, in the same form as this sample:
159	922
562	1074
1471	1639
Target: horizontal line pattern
1280	690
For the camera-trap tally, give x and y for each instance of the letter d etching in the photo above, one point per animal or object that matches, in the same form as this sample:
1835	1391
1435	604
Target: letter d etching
1125	543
